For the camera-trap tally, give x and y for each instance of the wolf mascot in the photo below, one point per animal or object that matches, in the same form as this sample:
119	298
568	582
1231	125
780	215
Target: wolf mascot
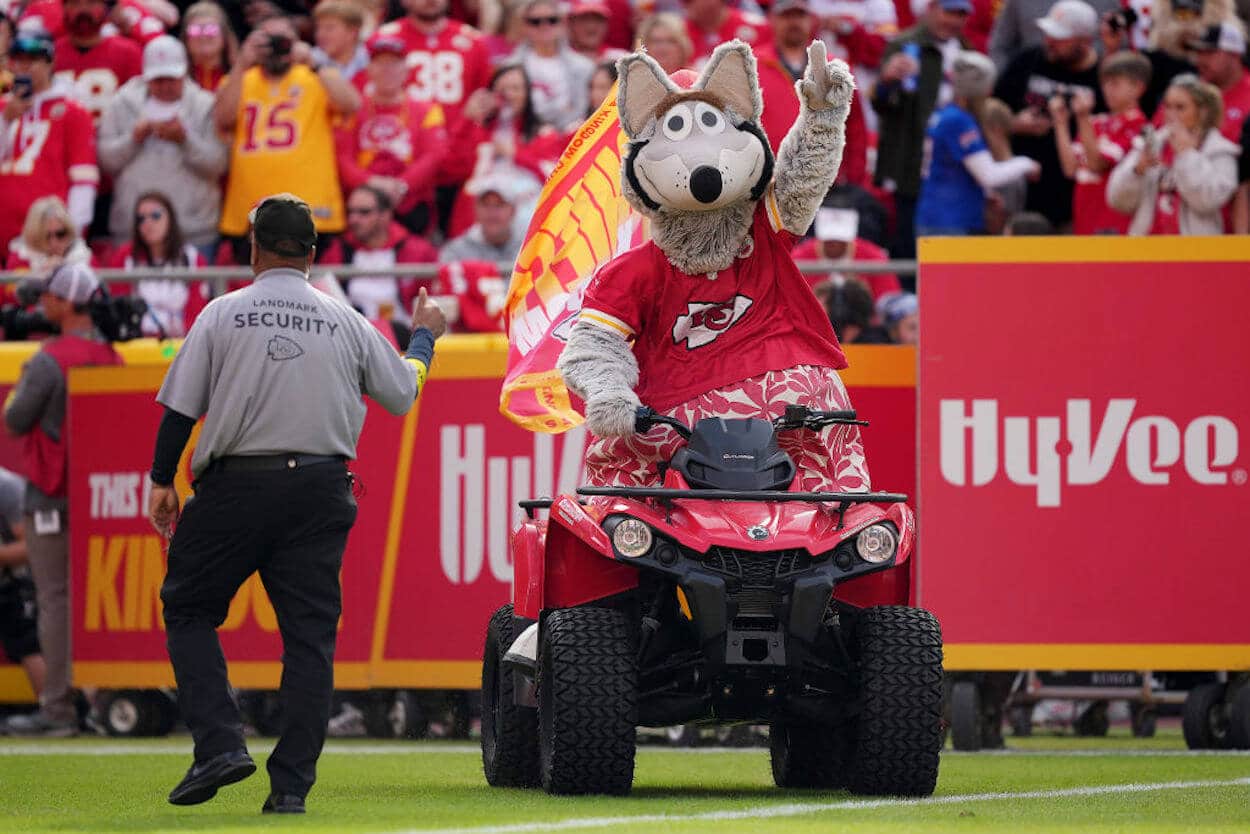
711	318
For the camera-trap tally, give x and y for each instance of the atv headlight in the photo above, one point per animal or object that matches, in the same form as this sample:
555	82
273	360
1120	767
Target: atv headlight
876	544
632	538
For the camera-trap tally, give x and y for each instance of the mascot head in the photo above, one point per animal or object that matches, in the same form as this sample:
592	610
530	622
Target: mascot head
696	144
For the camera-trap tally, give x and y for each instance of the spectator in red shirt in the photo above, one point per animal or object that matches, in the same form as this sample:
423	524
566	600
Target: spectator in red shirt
588	29
781	63
837	239
211	43
157	243
1102	140
94	64
393	143
710	23
1218	54
373	239
500	133
48	239
47	146
665	38
338	25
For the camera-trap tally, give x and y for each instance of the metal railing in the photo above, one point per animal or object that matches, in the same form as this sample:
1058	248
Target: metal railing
220	276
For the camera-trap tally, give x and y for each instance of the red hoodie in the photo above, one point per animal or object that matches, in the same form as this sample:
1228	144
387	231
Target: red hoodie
781	108
406	140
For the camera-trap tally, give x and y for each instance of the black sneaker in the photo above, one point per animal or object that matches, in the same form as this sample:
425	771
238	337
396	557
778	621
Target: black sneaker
283	803
204	778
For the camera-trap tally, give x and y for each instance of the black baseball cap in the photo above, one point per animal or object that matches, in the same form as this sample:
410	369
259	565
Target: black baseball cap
283	224
33	42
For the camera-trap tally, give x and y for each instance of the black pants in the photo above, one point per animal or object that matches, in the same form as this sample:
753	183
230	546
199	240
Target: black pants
291	525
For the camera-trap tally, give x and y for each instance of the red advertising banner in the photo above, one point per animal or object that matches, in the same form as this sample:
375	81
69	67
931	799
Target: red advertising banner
1084	415
428	560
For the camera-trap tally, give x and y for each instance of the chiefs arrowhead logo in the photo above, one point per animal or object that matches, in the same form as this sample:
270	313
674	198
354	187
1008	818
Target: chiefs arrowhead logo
280	348
705	321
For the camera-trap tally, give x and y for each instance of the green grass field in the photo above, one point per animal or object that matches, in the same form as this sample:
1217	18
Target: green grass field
1043	784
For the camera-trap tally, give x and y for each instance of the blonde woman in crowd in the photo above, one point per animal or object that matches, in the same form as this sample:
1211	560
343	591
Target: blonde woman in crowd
49	238
1176	181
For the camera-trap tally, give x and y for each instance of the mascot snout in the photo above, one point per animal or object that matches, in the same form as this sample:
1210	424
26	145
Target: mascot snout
705	184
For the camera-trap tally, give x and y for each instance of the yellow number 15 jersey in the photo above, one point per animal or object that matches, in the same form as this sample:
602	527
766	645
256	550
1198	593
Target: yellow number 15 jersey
283	141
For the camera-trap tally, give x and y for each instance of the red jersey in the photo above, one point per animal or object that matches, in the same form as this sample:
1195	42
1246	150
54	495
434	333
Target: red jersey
697	333
752	29
444	68
138	23
48	149
406	140
1090	213
208	78
880	283
1167	216
1236	108
97	72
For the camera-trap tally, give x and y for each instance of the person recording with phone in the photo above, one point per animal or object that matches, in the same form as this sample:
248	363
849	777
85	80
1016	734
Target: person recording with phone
47	143
278	103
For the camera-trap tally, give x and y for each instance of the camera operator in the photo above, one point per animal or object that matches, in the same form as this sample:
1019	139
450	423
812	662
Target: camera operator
35	411
19	638
278	102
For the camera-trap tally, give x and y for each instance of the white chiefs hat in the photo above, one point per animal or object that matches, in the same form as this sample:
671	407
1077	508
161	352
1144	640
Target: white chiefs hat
164	57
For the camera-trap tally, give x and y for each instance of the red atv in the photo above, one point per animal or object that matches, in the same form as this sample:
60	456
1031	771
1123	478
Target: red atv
716	598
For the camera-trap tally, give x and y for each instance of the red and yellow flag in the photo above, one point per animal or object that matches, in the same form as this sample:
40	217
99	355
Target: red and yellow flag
580	223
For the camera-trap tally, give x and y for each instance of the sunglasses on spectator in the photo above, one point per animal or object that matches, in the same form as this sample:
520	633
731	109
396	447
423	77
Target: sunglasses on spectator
543	21
152	215
203	30
365	212
58	234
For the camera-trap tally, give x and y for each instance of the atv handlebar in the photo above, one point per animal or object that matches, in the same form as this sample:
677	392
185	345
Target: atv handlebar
795	417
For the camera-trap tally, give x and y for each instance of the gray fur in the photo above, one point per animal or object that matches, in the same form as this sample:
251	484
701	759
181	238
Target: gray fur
643	83
811	153
733	74
697	242
599	366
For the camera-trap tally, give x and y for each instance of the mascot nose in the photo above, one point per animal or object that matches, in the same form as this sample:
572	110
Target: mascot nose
705	184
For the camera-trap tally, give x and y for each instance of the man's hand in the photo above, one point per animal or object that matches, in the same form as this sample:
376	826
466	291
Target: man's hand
1058	109
163	508
1082	102
826	85
15	107
899	66
301	53
253	49
143	129
171	131
1030	122
425	313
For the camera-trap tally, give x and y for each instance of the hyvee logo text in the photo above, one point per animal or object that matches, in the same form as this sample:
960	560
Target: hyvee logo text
1153	446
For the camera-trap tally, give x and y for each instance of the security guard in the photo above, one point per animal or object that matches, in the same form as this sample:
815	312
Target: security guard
277	370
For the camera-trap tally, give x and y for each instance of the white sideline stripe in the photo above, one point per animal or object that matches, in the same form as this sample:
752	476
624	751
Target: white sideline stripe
805	808
114	747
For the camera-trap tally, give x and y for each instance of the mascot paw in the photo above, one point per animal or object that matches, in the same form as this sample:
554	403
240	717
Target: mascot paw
612	414
826	85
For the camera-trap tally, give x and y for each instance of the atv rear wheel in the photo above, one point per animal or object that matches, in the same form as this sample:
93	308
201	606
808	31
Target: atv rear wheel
807	755
965	716
587	702
898	735
509	731
1204	719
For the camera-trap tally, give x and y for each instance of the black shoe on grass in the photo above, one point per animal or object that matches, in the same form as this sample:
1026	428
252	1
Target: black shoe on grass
204	778
283	803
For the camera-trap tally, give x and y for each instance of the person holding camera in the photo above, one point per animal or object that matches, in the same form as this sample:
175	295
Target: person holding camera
35	412
47	142
279	105
19	622
278	371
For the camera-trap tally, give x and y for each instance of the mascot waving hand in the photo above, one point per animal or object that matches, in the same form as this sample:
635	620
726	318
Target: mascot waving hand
711	318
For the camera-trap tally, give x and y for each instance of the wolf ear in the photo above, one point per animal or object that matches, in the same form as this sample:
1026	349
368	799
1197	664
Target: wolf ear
643	85
731	74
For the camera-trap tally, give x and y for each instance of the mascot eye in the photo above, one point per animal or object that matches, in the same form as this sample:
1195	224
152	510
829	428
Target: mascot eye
710	119
677	123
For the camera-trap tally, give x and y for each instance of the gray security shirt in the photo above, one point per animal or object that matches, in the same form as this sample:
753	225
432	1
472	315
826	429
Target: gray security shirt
281	367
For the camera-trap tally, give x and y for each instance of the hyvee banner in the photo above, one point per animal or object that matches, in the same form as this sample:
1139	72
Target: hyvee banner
427	562
1085	415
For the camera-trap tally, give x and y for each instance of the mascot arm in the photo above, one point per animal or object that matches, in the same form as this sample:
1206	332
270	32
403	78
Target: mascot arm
598	365
810	153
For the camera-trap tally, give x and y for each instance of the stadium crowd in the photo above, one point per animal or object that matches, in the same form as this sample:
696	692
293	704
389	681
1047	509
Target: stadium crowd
141	132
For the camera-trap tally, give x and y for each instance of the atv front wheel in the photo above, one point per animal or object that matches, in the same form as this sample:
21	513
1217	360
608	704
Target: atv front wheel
899	730
807	755
587	702
509	731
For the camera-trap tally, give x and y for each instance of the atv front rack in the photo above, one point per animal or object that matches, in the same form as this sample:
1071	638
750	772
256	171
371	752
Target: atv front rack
746	495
